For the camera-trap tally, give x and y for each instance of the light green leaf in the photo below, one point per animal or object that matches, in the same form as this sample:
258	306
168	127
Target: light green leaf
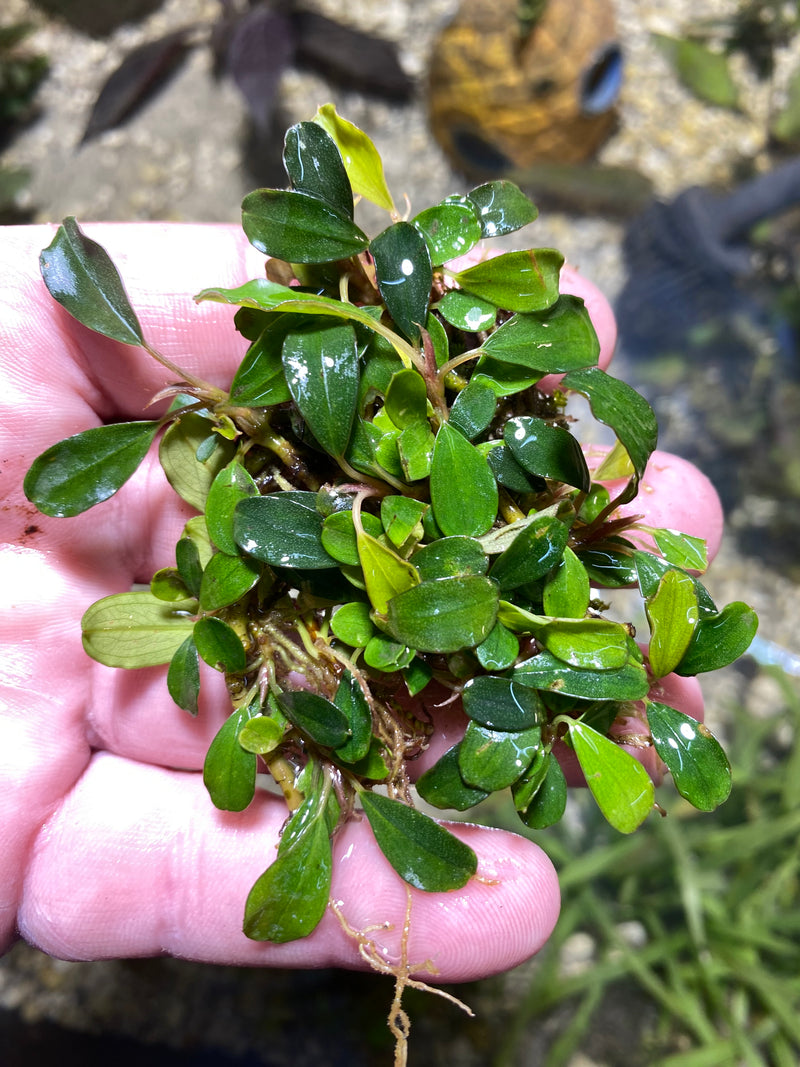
566	590
516	281
339	535
401	517
136	629
450	230
561	338
466	312
673	613
75	474
361	160
189	477
385	573
619	783
352	623
502	208
705	72
449	557
79	274
226	579
232	484
682	550
499	650
261	735
423	853
406	398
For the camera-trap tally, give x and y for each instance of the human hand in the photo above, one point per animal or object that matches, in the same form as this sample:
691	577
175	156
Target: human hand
112	846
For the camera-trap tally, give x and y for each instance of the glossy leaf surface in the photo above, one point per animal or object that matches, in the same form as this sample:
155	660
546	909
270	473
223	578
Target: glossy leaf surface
226	579
500	704
260	380
493	759
673	613
473	409
547	672
682	550
549	451
443	787
450	230
136	629
449	557
75	474
79	274
314	166
501	207
299	227
339	535
499	650
699	767
350	700
567	590
561	338
517	281
385	573
536	549
619	783
467	312
352	624
361	160
423	853
321	365
406	398
719	639
283	529
549	800
183	676
404	274
229	772
318	718
219	645
444	615
463	490
232	484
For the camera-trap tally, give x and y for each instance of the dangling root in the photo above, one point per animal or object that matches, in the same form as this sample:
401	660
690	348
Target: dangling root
399	1022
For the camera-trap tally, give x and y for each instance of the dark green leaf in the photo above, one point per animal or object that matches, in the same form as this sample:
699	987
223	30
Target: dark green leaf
79	274
189	476
445	615
502	208
219	645
299	227
283	529
183	676
423	853
719	639
229	773
136	629
316	717
609	568
562	338
672	613
260	380
289	899
493	759
549	800
321	365
545	671
566	590
619	783
350	700
190	568
620	407
508	471
443	787
404	273
549	451
449	557
417	675
500	704
649	571
516	281
226	579
473	409
315	166
232	484
535	550
87	468
466	312
450	230
695	758
464	493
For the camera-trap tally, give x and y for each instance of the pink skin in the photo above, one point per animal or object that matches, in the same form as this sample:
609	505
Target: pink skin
111	846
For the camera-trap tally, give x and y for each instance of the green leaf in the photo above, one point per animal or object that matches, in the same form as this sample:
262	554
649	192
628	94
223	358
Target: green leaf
466	312
260	380
385	573
384	654
549	451
588	644
609	568
232	484
167	584
299	227
87	468
79	274
183	676
705	72
499	650
339	535
546	672
473	409
507	471
464	493
695	758
535	550
516	281
229	772
650	569
546	806
406	398
449	557
567	590
719	639
494	759
361	160
401	517
350	700
352	623
623	409
136	629
673	614
314	166
423	853
289	899
445	615
226	579
189	477
785	126
561	338
219	645
415	450
501	704
261	735
316	717
283	529
450	230
404	274
502	208
443	787
321	365
190	568
619	783
682	550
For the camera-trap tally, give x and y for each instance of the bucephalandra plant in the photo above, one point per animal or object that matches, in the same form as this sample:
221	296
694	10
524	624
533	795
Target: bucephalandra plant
386	502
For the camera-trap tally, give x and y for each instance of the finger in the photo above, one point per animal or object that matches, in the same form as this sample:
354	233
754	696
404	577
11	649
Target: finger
170	874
